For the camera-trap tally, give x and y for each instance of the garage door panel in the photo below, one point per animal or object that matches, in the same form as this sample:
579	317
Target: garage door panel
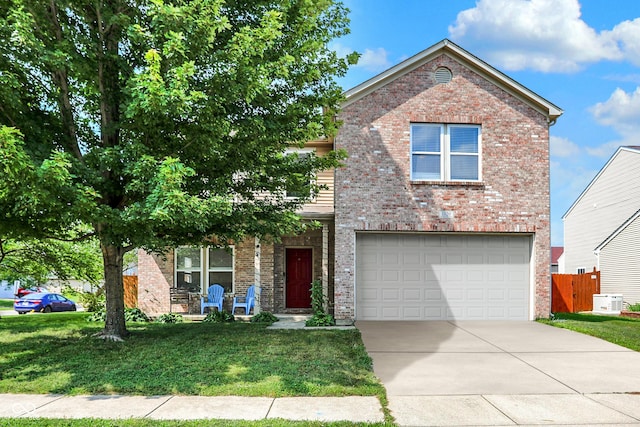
423	277
391	294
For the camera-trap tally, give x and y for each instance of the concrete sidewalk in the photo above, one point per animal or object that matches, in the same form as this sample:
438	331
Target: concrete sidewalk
357	409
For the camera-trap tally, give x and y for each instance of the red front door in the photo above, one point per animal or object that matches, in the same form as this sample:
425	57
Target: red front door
299	276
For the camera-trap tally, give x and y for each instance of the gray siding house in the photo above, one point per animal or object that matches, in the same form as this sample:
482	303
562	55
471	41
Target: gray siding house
602	227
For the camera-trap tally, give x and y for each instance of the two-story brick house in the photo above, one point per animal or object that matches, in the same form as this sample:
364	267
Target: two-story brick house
440	212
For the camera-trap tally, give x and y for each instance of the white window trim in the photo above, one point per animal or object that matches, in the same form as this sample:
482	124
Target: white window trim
445	152
205	268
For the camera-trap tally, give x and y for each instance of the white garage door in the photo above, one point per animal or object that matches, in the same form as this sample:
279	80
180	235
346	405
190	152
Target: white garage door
442	277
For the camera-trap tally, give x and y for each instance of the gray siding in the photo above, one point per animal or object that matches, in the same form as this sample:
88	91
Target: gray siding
620	264
610	200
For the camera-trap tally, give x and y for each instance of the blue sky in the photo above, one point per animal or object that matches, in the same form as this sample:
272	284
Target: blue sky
581	55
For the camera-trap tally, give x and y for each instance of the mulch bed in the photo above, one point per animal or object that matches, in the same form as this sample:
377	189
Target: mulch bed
633	314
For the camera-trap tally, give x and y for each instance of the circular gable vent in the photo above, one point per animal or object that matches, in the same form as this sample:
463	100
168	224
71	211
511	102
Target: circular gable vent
443	75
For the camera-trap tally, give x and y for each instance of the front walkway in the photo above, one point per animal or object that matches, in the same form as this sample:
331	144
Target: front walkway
358	409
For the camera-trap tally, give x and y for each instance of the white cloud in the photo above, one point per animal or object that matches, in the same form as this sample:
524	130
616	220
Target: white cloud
374	60
543	35
563	147
628	35
622	112
606	150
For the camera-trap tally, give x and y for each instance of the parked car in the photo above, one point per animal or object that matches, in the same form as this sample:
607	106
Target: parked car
25	291
45	302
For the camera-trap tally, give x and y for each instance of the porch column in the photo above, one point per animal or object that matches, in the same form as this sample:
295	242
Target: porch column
325	266
256	276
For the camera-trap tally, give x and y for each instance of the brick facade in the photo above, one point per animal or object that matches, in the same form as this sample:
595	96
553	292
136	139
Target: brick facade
156	274
374	190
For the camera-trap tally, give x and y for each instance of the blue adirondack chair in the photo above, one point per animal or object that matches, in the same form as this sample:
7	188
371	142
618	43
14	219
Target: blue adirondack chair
247	302
215	297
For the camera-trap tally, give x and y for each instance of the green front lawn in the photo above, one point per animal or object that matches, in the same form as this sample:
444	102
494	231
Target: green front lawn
618	330
6	304
56	353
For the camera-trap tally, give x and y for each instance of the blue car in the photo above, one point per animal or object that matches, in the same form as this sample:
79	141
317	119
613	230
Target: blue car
44	302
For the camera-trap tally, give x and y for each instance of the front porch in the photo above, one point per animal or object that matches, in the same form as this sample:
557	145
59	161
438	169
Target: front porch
283	271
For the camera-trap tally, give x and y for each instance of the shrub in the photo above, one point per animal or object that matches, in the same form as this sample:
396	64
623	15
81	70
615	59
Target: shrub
264	317
135	315
319	318
92	302
170	318
634	307
98	316
219	317
130	315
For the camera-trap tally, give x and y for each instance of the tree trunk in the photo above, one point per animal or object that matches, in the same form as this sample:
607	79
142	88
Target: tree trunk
114	327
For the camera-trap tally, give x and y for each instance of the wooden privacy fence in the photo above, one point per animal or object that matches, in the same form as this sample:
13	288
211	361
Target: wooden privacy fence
571	293
130	291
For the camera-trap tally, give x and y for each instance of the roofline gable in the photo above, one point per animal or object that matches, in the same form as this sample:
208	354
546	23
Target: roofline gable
631	149
467	59
617	231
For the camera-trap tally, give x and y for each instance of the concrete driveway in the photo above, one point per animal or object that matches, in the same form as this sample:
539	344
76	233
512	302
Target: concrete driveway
502	373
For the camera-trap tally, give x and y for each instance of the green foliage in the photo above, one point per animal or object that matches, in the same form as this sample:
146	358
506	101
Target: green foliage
634	307
98	316
135	315
130	315
92	301
150	120
170	318
39	259
319	317
264	317
219	317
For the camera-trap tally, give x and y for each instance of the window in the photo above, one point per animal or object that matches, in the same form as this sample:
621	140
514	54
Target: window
581	270
221	268
442	152
302	155
188	269
214	265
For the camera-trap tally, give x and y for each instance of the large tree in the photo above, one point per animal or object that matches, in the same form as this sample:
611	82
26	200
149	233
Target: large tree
162	123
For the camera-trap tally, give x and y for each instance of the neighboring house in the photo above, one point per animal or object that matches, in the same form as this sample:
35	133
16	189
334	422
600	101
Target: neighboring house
602	230
557	259
440	212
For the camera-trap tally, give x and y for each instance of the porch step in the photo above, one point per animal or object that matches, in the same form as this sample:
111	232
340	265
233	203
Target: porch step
293	317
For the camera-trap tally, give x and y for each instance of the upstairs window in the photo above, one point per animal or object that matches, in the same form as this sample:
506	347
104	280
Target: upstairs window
442	152
302	154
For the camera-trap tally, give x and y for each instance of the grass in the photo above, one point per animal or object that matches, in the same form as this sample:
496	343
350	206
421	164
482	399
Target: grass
56	353
618	330
6	304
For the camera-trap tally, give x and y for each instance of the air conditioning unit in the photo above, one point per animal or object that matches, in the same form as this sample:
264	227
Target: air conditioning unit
607	303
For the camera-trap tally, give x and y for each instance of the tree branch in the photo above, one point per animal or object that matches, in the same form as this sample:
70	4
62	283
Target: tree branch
61	79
